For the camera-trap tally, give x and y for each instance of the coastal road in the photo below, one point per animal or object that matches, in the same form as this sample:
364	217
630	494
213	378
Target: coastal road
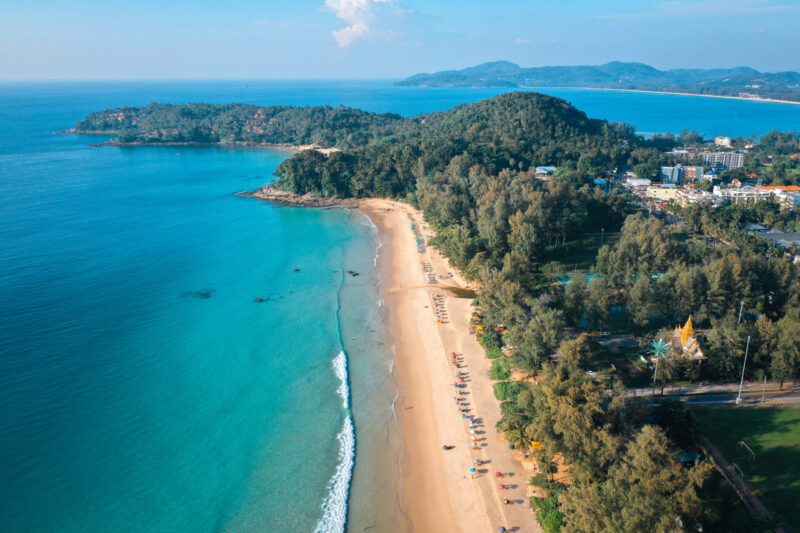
753	394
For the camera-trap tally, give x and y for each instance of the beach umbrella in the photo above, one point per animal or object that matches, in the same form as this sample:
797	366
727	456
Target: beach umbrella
498	474
501	529
472	470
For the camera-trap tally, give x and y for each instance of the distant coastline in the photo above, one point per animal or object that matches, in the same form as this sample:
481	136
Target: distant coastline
746	98
737	82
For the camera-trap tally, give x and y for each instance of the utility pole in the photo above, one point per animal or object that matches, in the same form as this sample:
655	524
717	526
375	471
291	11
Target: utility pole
764	389
741	307
741	381
602	234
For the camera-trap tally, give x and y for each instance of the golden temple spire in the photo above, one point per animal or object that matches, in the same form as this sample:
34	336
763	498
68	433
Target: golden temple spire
688	331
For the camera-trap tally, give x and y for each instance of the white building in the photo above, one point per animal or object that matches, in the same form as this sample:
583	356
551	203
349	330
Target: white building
745	195
714	160
722	160
686	197
723	141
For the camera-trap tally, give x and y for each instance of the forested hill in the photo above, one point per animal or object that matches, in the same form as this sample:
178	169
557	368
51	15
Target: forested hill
386	154
327	126
739	81
514	131
240	123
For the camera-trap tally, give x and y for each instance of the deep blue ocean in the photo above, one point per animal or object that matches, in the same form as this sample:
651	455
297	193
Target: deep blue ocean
141	386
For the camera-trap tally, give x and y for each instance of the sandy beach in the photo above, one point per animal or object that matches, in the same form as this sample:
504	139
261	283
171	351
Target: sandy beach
438	491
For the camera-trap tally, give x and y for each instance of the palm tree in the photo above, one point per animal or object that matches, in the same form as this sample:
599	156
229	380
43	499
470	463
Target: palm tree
548	466
659	350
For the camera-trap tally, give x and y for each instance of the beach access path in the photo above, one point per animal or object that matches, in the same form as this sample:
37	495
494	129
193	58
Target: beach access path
438	491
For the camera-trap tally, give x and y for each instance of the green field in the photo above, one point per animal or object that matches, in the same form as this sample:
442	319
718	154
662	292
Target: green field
578	255
773	433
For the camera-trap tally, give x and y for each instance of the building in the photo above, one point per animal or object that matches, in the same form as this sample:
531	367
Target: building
692	174
788	196
746	195
722	160
544	172
713	160
723	141
671	174
680	173
685	344
685	197
787	200
661	192
633	183
780	238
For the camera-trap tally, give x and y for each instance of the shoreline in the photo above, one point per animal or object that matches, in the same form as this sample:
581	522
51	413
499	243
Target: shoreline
285	147
436	490
745	98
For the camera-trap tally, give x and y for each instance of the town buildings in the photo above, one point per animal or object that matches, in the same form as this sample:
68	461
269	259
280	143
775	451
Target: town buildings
680	174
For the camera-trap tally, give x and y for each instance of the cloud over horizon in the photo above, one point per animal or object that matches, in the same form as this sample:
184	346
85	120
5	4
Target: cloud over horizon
356	13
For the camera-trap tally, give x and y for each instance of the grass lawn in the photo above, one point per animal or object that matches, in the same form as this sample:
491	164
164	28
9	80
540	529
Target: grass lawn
773	433
578	255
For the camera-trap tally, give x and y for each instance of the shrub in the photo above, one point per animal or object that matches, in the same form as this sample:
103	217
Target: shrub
500	370
508	390
491	339
550	520
538	480
494	353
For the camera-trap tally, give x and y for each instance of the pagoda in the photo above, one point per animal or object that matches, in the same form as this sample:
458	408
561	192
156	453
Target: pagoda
685	343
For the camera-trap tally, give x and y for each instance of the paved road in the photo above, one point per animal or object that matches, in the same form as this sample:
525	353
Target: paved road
753	394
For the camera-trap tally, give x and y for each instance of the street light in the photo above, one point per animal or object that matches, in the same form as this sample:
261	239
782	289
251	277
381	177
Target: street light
741	381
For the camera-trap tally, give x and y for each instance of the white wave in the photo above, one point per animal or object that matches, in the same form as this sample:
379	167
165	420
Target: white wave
394	407
340	369
334	509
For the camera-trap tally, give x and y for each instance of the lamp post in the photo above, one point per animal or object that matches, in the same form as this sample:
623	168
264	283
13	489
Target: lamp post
741	381
740	313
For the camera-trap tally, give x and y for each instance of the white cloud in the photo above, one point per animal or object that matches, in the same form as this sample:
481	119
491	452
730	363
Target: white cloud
520	40
356	14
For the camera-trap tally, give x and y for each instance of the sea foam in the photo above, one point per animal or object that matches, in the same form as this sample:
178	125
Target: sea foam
340	369
334	508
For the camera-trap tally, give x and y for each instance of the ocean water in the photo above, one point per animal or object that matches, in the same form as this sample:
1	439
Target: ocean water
141	386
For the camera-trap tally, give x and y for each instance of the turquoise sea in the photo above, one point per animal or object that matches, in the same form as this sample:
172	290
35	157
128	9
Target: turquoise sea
141	386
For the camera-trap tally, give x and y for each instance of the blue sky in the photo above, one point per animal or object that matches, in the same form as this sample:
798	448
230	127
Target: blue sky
93	39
